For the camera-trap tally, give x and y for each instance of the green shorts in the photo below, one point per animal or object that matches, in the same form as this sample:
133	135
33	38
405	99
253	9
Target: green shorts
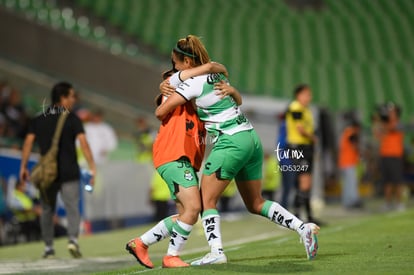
238	156
179	172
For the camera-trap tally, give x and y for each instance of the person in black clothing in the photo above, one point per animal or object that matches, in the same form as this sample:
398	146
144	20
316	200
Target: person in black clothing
41	129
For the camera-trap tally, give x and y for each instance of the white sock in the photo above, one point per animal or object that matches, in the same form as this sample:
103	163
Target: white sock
179	237
74	240
279	215
211	225
159	232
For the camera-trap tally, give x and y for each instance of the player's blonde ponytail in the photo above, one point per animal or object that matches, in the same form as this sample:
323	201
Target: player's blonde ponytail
192	47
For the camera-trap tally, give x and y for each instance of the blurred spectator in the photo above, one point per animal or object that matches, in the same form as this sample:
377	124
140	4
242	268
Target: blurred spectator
144	137
271	177
13	117
101	136
3	131
78	108
288	176
347	162
3	208
409	161
4	91
391	152
301	138
14	112
41	131
160	197
26	210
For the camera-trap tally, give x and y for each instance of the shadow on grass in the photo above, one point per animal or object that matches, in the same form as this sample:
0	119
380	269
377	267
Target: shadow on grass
265	265
269	268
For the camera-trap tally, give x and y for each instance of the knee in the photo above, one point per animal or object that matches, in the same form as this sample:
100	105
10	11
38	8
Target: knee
195	211
191	215
209	202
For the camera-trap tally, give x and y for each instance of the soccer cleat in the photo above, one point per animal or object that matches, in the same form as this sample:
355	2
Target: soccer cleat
173	261
140	251
49	254
74	250
309	239
211	258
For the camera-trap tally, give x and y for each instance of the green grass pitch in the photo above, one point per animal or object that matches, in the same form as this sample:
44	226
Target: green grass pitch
381	243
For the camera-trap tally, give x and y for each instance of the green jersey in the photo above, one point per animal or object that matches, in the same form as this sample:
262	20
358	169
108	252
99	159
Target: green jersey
220	115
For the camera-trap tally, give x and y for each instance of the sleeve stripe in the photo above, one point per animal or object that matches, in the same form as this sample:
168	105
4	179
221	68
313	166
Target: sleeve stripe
181	94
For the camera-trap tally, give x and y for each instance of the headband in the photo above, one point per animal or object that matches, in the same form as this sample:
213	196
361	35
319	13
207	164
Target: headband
177	49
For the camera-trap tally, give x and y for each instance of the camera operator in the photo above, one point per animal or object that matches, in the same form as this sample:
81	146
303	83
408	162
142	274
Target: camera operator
391	150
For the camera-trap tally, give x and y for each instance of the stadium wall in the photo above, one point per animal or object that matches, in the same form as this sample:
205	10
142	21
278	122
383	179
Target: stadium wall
65	56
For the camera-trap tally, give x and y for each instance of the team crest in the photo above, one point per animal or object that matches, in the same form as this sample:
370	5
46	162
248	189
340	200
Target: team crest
188	175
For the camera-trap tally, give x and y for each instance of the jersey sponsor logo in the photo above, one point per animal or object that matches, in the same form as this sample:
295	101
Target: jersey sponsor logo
213	78
241	119
207	165
189	124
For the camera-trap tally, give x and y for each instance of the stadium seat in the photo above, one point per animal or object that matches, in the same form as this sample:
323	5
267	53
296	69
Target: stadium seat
117	13
102	8
360	48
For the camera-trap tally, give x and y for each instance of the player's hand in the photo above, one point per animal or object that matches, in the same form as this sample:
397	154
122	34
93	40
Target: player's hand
219	68
166	89
224	89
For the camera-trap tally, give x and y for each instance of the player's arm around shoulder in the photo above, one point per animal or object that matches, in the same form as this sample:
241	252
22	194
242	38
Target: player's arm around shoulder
169	105
168	100
225	89
207	68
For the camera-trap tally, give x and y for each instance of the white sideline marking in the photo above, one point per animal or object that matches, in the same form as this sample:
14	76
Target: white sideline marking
8	267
